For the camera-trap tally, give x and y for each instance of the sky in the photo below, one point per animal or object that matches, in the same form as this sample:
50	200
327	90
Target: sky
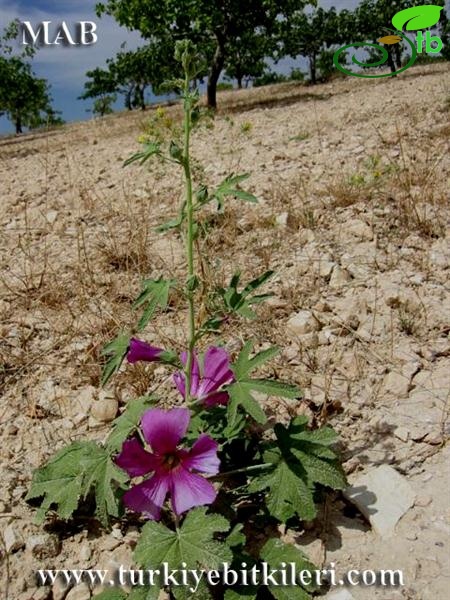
65	67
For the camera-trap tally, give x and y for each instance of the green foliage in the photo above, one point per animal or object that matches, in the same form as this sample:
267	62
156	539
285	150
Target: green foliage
301	459
217	28
269	78
125	425
193	543
24	98
241	302
276	553
116	350
71	475
310	33
103	106
240	390
154	295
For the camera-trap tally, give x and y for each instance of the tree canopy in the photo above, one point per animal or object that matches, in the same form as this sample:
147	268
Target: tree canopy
216	26
24	98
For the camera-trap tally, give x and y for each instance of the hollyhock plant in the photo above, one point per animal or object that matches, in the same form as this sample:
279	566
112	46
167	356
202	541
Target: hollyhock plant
207	387
139	350
173	469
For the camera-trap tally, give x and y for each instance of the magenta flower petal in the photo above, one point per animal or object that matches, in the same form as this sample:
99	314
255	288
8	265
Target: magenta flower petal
139	350
188	490
216	371
164	429
179	381
203	456
135	460
148	497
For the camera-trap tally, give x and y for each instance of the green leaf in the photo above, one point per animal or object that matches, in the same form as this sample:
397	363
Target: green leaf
288	491
230	188
249	592
59	482
125	425
176	152
302	459
116	350
71	474
193	543
417	17
277	554
150	149
240	395
236	538
240	390
154	294
241	302
279	389
143	593
104	477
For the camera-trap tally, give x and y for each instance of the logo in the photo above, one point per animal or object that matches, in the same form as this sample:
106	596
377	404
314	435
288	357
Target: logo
412	19
83	34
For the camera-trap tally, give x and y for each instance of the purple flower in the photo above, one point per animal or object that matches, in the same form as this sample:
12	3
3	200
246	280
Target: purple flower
216	373
172	467
139	350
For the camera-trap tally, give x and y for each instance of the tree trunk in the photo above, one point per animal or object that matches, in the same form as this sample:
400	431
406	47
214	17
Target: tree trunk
215	71
18	125
128	100
391	62
398	55
312	69
239	82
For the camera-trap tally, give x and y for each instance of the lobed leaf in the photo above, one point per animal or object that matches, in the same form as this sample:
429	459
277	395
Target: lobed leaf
154	294
116	350
277	554
193	543
71	475
125	425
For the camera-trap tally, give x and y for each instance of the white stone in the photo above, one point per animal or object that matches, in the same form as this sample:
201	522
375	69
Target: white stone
383	496
402	434
396	384
44	545
339	277
301	323
339	595
105	410
359	229
79	592
13	540
282	219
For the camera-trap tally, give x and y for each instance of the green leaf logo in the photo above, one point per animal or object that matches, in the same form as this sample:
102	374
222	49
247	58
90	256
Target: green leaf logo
417	17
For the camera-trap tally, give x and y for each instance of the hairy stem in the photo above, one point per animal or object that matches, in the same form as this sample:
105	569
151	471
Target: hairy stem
189	235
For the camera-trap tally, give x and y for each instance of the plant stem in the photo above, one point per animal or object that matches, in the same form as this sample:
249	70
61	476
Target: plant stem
243	470
189	235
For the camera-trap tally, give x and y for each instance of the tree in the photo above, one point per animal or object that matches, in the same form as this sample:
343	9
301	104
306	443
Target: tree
24	98
103	105
309	34
214	25
246	58
131	72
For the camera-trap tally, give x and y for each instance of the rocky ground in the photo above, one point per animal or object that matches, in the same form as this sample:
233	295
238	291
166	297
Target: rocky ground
353	179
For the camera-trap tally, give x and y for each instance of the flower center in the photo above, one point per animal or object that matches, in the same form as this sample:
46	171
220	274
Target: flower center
171	461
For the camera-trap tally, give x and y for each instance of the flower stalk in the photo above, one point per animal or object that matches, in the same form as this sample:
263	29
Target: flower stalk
189	234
